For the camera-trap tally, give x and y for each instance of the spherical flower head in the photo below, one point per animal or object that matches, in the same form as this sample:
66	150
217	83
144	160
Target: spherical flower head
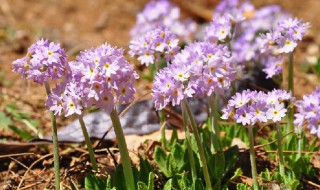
151	46
308	112
219	29
99	77
284	38
163	13
199	69
252	107
43	61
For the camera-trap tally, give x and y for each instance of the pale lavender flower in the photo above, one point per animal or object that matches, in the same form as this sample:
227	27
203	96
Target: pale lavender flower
163	13
252	107
276	112
199	69
151	46
45	60
308	112
99	77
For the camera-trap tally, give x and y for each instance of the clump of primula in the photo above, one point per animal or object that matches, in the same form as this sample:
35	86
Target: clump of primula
252	107
283	39
224	21
99	77
247	23
44	60
149	47
308	112
162	13
199	69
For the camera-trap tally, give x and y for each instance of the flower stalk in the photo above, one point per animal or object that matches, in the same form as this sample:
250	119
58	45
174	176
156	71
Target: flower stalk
127	170
252	159
280	153
199	144
213	116
56	166
88	142
189	148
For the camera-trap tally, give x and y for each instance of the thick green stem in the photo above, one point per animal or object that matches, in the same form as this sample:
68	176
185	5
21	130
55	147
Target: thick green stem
199	144
189	148
280	153
253	159
88	142
55	143
213	116
127	170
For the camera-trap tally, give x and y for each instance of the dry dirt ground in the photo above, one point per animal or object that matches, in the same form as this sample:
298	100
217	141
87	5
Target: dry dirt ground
82	24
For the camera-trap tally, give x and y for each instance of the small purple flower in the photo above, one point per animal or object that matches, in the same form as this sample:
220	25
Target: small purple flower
163	13
308	112
149	47
199	69
276	112
44	60
252	107
282	39
99	77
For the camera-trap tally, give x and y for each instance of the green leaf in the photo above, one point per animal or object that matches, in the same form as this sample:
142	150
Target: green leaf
217	186
241	186
183	181
231	156
161	158
236	174
4	121
145	169
151	181
22	133
198	185
142	186
219	166
118	179
168	185
92	182
178	155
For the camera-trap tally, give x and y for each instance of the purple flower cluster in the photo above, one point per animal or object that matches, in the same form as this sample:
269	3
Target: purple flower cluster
199	69
283	39
162	13
220	29
246	23
153	45
100	76
252	107
44	60
226	16
308	111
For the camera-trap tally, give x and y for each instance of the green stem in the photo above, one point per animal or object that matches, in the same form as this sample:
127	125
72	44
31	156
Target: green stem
163	129
213	116
189	148
127	170
280	153
199	144
88	142
252	159
290	89
299	135
55	143
290	74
